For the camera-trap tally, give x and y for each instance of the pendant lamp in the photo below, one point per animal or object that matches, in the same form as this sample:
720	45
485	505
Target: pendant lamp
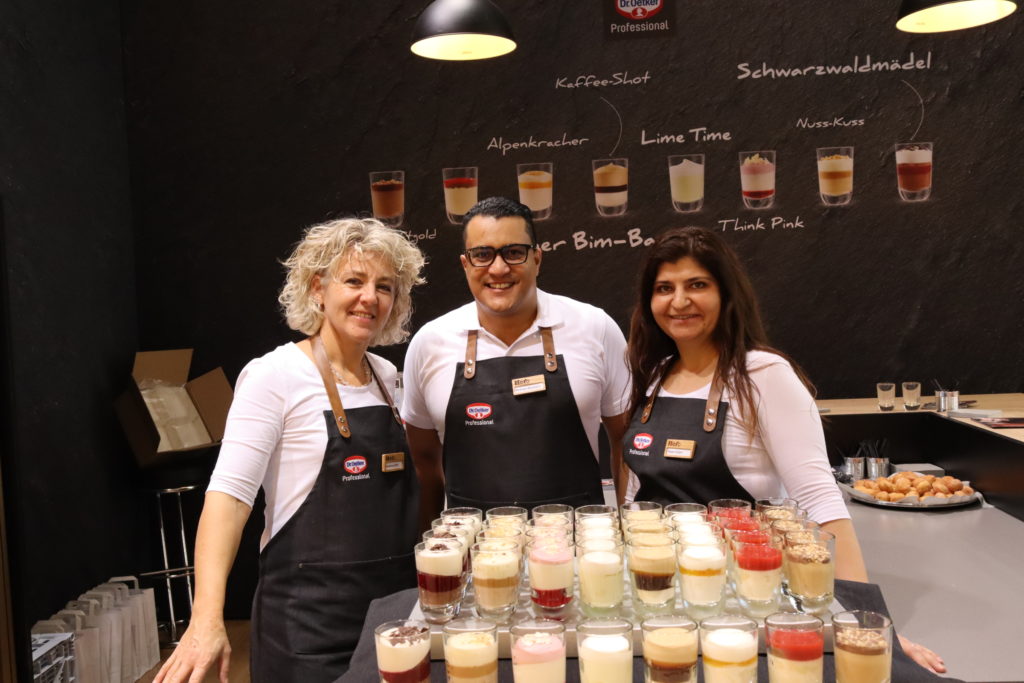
462	30
936	16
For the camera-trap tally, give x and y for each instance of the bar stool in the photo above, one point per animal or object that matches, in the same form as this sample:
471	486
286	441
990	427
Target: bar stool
172	575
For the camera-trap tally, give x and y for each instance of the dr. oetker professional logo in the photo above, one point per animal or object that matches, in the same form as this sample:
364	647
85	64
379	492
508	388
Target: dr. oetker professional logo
479	411
642	441
354	464
638	9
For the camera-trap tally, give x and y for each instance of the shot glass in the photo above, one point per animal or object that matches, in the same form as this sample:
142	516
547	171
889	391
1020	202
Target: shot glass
596	511
508	514
471	651
886	396
639	510
611	186
914	170
460	191
553	509
911	395
387	195
796	647
729	646
538	651
729	507
441	576
770	509
605	650
601	580
863	647
835	175
403	651
682	511
550	565
652	571
809	566
670	649
758	567
496	570
702	568
463	515
757	179
686	181
661	527
536	185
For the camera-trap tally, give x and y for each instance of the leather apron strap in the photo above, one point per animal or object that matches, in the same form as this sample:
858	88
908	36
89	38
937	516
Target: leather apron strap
710	420
550	359
323	364
469	371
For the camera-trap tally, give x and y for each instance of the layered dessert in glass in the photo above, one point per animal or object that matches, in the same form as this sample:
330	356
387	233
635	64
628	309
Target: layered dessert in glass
403	651
652	570
538	651
471	651
601	579
914	170
686	181
441	577
757	179
758	574
605	651
729	649
835	175
536	184
496	570
611	186
702	575
460	191
863	647
810	571
550	564
795	644
670	649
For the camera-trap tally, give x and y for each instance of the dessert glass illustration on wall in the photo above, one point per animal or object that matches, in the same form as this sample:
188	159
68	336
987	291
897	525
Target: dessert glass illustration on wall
686	180
914	170
460	191
536	188
757	178
387	194
611	186
835	175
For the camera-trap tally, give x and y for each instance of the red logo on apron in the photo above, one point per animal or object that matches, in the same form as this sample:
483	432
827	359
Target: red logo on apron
638	9
642	441
354	464
479	411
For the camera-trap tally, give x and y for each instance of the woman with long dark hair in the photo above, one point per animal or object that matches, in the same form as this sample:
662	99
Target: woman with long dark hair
716	412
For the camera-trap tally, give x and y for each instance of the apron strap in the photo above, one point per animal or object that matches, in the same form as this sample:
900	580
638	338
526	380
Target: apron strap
385	393
323	364
711	409
469	370
550	359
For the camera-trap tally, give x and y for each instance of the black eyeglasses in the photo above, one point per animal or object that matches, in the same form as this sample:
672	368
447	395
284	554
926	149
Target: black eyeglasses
511	254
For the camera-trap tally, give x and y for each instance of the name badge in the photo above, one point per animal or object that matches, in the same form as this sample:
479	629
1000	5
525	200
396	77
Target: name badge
528	385
392	462
681	449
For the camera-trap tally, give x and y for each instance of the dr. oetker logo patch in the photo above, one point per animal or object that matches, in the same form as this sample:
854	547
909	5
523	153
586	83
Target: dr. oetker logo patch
479	411
354	464
642	441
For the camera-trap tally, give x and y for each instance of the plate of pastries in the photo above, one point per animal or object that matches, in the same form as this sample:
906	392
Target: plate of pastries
912	490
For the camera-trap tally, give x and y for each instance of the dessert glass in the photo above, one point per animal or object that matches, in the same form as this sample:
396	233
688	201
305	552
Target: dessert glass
611	186
605	650
387	195
536	186
441	576
835	175
810	569
757	179
728	644
550	565
460	191
508	514
601	580
728	507
652	572
758	568
914	170
465	514
863	647
471	651
640	510
496	569
686	181
403	651
670	649
702	569
538	651
796	645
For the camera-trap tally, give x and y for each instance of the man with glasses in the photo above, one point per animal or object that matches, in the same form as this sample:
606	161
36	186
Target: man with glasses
504	396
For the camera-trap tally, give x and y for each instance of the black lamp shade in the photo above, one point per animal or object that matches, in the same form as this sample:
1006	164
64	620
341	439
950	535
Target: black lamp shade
936	16
462	30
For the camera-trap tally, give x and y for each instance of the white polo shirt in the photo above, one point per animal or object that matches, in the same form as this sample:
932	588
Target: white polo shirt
589	341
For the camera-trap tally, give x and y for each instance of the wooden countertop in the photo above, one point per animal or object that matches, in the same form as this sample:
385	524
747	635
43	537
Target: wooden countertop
1012	405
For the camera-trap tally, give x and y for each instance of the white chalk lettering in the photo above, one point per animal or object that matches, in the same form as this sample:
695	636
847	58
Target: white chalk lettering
499	143
859	65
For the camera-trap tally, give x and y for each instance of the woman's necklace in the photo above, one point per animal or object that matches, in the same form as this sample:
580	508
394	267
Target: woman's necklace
364	366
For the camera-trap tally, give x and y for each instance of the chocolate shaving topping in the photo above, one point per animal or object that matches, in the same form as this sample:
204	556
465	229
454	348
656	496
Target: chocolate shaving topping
437	547
404	635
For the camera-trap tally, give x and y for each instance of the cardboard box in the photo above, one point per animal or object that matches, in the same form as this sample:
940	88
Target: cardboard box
165	416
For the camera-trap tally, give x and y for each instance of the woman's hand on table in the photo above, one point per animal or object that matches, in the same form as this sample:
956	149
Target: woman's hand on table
203	646
923	656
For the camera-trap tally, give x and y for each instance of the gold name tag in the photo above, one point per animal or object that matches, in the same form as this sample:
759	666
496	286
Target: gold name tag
392	462
681	449
528	385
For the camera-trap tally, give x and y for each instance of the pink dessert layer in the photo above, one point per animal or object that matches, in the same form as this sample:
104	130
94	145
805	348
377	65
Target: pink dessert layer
551	554
531	651
757	168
